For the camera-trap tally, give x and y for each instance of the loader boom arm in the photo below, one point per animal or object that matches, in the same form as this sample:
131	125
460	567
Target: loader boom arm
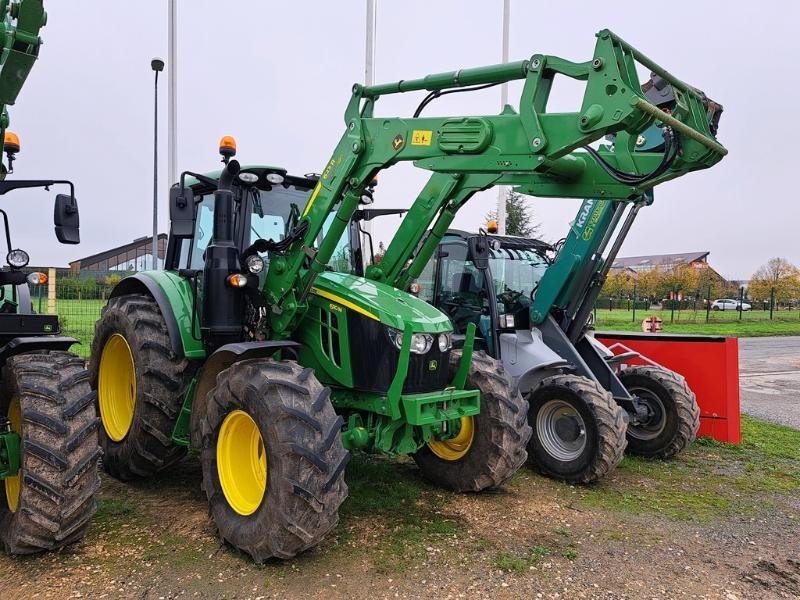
536	151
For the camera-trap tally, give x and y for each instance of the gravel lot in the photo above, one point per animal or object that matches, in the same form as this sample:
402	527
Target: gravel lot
770	379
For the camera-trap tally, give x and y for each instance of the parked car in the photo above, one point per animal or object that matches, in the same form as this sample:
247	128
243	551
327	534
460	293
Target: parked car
729	304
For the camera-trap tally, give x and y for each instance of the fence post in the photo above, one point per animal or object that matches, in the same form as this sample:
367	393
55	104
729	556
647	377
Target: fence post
741	301
672	304
708	303
771	301
634	303
51	291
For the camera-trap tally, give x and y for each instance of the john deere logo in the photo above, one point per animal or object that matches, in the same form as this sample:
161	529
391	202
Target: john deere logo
433	365
398	141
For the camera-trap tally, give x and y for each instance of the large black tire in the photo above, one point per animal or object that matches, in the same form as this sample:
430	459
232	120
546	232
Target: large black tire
578	429
501	432
55	417
677	415
161	379
301	436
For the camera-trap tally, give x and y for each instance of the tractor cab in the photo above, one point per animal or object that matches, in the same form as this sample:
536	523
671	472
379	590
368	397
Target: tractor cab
487	280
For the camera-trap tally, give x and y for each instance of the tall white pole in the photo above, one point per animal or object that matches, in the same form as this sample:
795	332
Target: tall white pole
369	79
501	190
172	93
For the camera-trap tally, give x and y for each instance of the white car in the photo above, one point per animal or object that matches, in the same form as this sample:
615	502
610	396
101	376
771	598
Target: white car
729	304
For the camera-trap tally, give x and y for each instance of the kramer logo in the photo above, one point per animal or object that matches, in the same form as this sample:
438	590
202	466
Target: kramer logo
588	232
584	214
433	365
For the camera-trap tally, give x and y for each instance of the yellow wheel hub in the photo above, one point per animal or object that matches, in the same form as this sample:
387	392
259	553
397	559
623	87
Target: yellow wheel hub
456	447
241	462
116	387
13	484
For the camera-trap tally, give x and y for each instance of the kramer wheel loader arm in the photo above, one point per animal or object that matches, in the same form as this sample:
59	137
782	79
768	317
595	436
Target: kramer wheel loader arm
541	153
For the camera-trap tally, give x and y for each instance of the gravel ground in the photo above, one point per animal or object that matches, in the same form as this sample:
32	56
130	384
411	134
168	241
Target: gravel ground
769	368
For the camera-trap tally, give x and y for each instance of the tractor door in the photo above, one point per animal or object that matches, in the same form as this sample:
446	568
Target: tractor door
460	292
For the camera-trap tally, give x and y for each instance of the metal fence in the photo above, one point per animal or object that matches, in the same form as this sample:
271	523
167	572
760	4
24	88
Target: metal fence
77	299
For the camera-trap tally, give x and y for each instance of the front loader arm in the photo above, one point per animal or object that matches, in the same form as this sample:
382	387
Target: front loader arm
537	151
20	23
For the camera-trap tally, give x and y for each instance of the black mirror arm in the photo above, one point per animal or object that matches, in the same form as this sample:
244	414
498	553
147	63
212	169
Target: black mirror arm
7	186
8	230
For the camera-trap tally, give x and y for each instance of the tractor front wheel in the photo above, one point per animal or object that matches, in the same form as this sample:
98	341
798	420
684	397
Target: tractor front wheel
140	384
272	458
49	502
578	429
673	413
489	447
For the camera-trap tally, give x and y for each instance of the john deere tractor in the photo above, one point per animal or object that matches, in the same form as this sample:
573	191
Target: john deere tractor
48	424
253	350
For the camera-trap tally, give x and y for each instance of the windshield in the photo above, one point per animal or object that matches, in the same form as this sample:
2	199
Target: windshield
516	271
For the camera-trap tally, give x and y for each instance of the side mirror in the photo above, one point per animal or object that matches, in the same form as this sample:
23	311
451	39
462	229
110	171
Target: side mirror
66	219
479	251
181	211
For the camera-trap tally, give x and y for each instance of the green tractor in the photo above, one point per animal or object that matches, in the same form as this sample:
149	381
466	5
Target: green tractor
190	357
253	350
48	425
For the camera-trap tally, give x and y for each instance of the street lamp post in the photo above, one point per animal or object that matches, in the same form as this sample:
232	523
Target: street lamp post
157	65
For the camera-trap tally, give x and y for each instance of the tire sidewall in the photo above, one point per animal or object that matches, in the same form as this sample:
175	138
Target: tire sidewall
115	321
671	426
227	519
537	452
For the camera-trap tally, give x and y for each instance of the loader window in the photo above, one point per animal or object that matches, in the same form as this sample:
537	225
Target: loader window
515	272
461	293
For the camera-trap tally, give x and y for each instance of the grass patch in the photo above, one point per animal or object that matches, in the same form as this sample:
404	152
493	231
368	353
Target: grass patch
112	508
710	480
569	553
754	323
389	491
512	561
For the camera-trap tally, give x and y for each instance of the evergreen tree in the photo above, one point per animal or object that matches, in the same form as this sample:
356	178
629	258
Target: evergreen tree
518	218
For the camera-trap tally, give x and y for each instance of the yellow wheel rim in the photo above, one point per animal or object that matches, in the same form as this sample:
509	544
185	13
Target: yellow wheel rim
458	446
14	483
116	387
241	462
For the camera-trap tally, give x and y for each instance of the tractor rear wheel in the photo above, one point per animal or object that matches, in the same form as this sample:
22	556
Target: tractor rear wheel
49	502
490	446
578	429
140	384
674	414
272	458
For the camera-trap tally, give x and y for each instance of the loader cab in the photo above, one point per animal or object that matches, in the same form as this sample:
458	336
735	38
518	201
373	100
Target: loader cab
496	298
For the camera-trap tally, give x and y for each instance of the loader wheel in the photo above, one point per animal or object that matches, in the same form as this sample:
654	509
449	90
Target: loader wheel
490	446
578	429
674	414
272	458
48	504
140	384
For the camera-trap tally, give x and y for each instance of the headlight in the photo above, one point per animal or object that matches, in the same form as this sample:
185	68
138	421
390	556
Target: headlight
275	178
507	321
445	342
255	264
17	258
37	278
421	343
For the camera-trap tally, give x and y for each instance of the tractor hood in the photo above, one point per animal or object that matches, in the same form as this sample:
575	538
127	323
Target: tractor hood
380	302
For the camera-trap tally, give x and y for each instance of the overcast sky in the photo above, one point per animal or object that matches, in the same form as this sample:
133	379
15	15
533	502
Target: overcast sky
277	76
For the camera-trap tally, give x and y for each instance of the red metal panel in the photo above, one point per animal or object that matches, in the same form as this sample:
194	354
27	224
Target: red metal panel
710	365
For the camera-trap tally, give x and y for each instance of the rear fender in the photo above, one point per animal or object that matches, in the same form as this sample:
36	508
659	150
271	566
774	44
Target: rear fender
174	296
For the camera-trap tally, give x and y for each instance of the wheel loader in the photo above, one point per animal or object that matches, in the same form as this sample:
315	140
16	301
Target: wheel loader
48	425
252	350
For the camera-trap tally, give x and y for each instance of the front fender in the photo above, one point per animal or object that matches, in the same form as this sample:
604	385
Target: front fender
173	294
528	359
